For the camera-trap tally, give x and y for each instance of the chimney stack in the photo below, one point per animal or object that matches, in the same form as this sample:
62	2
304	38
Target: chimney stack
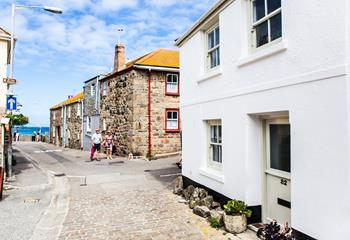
119	58
70	96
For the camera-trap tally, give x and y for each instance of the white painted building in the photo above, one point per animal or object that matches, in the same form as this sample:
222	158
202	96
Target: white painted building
5	43
265	109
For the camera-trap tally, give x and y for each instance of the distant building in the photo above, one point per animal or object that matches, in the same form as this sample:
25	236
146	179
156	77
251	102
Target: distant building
5	51
66	121
140	103
91	109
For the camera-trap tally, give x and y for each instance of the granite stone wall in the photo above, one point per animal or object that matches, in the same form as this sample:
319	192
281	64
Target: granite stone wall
74	126
125	110
56	122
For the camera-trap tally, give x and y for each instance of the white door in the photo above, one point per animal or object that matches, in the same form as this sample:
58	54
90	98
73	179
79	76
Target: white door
277	171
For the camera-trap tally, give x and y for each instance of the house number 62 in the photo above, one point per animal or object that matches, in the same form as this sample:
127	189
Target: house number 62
284	182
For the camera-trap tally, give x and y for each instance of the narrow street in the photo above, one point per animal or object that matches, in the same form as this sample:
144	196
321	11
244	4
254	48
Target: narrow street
116	199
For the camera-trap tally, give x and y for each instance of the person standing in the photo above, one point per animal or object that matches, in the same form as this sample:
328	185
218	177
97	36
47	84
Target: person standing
96	145
109	145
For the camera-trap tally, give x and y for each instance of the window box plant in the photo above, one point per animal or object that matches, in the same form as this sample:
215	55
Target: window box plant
235	217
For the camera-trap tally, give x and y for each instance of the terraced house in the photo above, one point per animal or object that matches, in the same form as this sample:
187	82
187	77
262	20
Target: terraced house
140	103
66	121
266	110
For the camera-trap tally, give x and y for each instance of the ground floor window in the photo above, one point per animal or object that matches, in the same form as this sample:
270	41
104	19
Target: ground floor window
172	122
88	124
215	142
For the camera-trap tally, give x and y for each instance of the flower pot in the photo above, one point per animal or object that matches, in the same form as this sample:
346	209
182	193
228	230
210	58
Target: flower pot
235	224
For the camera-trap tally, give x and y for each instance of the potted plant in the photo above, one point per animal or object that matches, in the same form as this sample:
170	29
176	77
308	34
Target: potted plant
235	217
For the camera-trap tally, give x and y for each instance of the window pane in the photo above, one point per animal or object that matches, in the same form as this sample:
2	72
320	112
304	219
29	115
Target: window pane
219	134
262	34
272	5
217	36
213	134
214	58
172	87
259	9
280	147
169	115
174	115
172	124
217	156
211	40
276	27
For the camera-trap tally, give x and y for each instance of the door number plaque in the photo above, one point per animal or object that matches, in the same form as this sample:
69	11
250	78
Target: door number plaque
284	182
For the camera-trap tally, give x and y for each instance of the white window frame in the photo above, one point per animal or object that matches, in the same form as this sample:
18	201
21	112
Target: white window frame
92	89
254	24
167	120
54	115
104	88
88	124
211	163
172	83
104	125
79	109
53	131
69	114
208	51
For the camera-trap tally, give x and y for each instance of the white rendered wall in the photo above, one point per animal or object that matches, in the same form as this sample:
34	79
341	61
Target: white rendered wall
308	80
3	69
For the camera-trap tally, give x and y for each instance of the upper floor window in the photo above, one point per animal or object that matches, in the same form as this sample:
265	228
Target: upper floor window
267	21
213	37
172	122
104	88
92	89
69	111
78	109
172	84
54	115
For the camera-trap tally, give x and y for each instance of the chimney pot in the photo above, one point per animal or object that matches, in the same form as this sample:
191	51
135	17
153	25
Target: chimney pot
119	58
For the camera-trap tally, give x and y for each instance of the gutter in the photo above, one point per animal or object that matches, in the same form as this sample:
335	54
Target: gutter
215	10
154	68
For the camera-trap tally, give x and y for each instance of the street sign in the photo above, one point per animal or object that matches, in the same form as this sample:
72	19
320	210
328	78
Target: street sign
11	103
9	81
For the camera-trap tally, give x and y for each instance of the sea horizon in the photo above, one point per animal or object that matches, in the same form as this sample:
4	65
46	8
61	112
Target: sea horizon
29	130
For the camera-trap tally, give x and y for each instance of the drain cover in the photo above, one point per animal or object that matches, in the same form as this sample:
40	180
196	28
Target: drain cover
32	200
118	162
147	170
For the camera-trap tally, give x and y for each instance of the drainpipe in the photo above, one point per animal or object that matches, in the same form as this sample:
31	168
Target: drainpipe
82	124
149	114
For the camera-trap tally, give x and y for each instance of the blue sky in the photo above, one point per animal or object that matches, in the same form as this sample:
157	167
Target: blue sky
55	54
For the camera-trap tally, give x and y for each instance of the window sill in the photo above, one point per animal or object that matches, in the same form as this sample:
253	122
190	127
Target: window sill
172	131
172	94
209	75
212	174
262	53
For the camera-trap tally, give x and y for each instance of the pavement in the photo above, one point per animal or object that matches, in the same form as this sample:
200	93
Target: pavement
24	204
118	199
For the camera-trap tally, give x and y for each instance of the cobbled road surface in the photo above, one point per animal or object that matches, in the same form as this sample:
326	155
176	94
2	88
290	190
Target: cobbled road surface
121	199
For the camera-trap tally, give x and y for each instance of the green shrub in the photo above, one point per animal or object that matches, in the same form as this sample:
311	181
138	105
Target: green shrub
215	222
237	207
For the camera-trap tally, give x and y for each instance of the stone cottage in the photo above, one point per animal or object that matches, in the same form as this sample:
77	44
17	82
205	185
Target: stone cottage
91	111
66	122
140	103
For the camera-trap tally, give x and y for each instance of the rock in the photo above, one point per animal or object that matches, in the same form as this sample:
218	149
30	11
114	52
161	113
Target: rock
207	201
202	211
215	205
187	193
195	193
218	215
202	193
178	185
183	201
194	202
235	224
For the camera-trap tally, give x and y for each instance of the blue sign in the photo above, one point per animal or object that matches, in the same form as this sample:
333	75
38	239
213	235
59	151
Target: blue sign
11	103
